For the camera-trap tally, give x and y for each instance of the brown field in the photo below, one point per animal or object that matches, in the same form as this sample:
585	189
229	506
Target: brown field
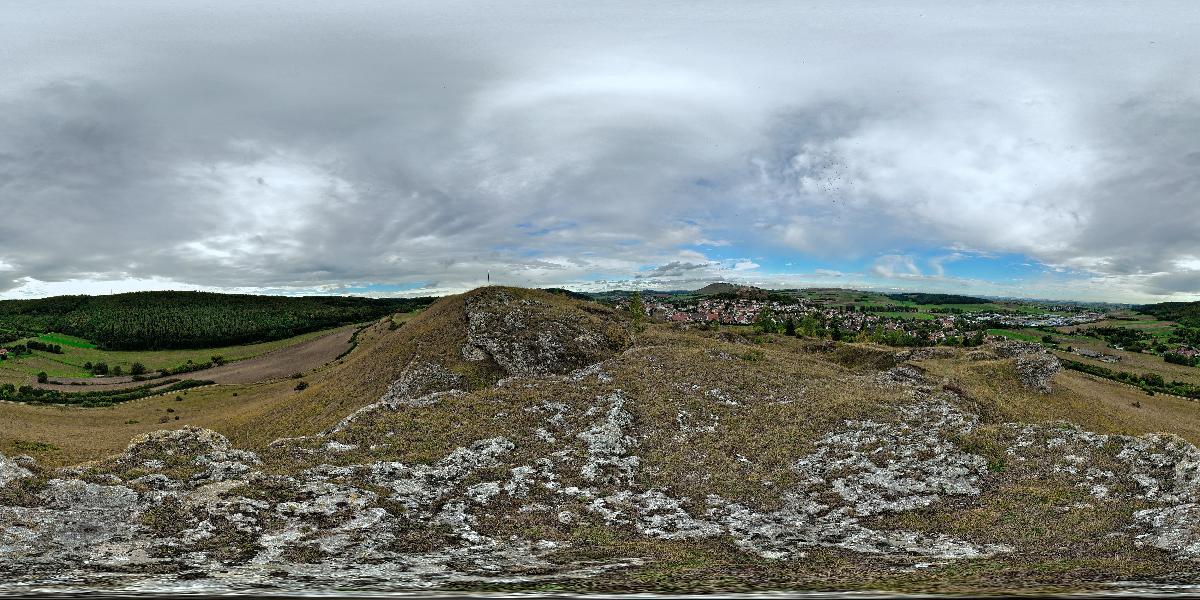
1134	362
277	364
250	414
1097	404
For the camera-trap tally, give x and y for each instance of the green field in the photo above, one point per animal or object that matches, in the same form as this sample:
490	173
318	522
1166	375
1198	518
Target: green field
77	352
1012	334
911	316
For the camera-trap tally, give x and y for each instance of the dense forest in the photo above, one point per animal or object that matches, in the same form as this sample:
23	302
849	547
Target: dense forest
175	320
937	299
1187	313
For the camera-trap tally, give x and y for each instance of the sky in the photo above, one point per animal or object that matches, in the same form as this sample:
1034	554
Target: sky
1019	149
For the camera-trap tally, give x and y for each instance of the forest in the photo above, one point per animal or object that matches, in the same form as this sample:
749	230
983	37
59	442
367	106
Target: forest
937	299
180	320
1187	313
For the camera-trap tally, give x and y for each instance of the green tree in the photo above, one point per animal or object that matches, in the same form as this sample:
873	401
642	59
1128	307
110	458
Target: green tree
809	326
43	377
766	321
637	312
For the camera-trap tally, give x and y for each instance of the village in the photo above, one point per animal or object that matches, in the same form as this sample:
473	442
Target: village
849	319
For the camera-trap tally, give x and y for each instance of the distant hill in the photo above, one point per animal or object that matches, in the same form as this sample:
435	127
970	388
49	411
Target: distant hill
937	299
171	320
1184	312
742	291
717	288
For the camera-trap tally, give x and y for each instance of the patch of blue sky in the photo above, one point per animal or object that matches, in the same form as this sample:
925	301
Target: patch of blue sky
382	288
540	229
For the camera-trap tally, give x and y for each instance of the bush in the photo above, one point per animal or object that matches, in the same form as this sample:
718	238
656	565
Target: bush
1179	359
303	385
137	368
43	377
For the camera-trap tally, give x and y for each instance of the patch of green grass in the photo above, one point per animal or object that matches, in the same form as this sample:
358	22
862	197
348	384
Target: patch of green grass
63	339
31	446
1015	335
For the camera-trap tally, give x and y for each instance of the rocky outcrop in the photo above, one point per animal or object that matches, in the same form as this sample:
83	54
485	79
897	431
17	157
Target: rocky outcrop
420	384
528	336
1036	366
421	379
10	470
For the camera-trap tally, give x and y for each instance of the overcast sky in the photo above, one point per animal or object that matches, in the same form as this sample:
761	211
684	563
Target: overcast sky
1020	149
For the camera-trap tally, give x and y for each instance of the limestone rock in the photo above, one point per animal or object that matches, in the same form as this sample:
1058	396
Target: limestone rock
1035	365
527	336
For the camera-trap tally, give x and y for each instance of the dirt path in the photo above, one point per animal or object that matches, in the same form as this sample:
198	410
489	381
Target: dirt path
281	363
277	364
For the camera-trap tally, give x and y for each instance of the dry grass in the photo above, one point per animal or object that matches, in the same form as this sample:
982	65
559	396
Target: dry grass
60	435
1096	404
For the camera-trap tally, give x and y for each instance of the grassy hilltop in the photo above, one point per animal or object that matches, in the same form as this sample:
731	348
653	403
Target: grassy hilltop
513	439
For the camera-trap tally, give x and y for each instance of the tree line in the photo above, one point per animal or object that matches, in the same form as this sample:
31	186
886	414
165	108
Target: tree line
100	398
1149	382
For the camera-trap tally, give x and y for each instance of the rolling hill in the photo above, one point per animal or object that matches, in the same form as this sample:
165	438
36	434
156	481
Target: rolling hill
1187	313
173	320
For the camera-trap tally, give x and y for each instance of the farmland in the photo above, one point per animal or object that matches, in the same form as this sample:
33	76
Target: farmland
70	364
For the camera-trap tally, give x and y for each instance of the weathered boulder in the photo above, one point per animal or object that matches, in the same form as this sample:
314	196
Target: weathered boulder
1036	366
526	335
420	379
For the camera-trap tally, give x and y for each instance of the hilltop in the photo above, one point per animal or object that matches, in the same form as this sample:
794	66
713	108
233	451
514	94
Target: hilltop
742	291
511	439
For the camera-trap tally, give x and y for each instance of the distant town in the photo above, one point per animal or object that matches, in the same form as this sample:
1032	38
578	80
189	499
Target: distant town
861	316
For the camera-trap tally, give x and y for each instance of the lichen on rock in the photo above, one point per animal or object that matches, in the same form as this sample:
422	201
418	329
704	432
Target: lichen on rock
529	336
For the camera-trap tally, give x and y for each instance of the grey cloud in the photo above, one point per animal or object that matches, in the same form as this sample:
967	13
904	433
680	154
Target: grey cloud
278	146
1172	283
675	269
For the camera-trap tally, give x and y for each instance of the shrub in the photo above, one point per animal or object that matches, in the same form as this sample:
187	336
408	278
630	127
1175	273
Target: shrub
137	368
303	385
43	377
1179	359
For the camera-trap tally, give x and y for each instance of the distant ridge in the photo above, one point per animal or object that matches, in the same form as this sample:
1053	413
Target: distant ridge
748	291
920	298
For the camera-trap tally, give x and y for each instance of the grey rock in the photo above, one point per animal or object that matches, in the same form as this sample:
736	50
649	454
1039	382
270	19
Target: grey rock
10	470
526	337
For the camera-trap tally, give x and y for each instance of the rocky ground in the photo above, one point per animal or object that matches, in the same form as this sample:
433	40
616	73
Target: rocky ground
603	462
